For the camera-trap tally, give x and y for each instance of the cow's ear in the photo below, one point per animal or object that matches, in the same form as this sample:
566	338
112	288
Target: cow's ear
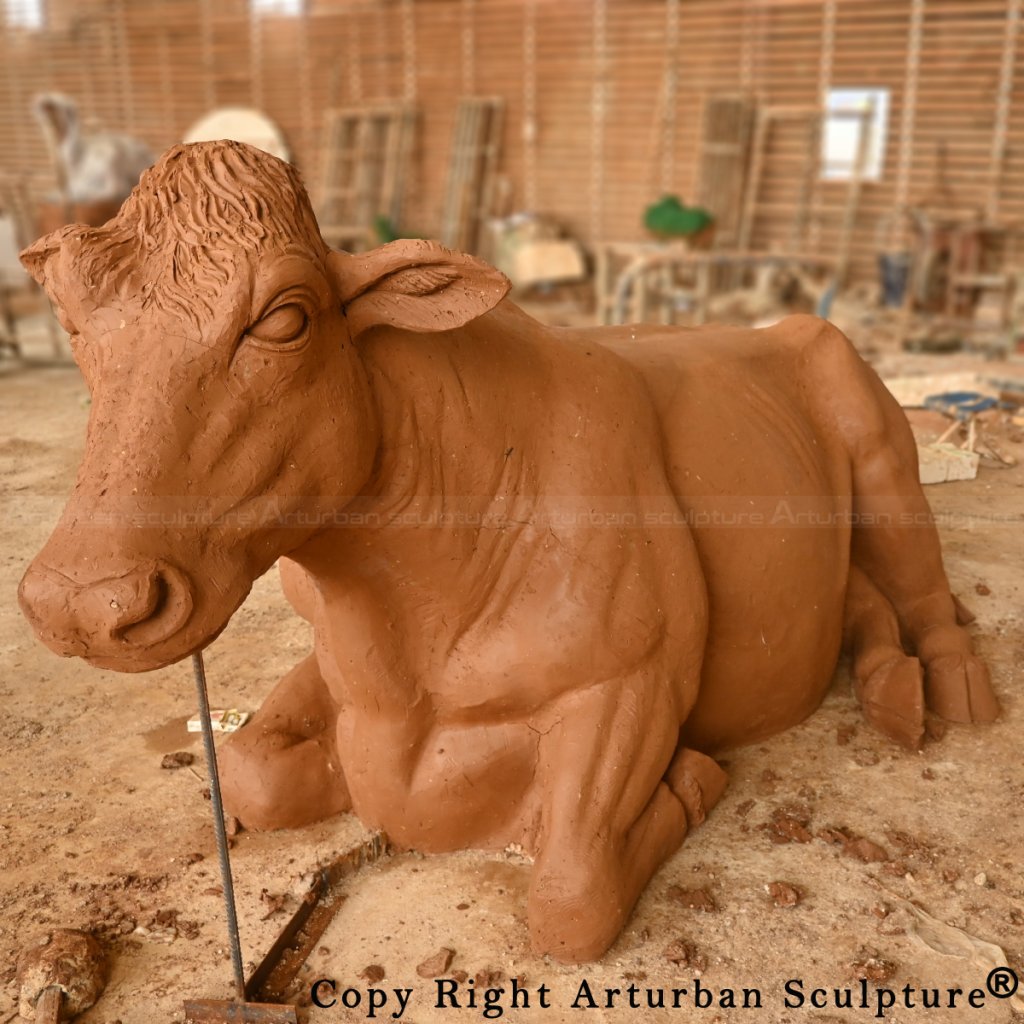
41	257
415	285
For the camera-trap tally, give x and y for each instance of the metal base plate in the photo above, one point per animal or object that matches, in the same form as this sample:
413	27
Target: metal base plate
227	1011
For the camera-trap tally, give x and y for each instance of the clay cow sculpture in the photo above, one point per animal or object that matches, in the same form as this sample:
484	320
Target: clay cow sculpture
550	572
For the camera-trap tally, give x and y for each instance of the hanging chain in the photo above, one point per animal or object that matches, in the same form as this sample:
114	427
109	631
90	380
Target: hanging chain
530	105
828	50
408	52
902	193
1002	115
670	87
599	105
468	48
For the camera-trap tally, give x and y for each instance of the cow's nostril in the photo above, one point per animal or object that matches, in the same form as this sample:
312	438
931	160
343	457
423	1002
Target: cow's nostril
159	610
161	594
129	599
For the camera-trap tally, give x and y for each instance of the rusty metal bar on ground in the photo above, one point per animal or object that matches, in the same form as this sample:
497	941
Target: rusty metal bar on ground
300	935
258	1001
199	671
216	1011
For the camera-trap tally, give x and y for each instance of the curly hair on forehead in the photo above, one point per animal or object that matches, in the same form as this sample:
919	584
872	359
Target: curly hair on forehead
178	234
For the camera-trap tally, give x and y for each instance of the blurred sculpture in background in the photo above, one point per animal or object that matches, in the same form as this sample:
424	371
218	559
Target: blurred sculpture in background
242	124
96	167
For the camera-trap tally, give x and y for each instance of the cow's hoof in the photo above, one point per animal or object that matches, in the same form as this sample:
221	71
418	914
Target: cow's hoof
957	688
698	781
577	913
892	700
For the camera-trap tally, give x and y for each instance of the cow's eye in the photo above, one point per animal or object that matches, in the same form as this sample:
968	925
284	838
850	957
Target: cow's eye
282	326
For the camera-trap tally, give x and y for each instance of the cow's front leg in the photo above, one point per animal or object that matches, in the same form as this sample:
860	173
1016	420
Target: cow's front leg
282	769
609	817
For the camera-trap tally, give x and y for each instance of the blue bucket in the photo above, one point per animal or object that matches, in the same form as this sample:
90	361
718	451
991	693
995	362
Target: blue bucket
894	272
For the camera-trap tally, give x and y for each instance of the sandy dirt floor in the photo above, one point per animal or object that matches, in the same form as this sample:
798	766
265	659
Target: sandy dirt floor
95	834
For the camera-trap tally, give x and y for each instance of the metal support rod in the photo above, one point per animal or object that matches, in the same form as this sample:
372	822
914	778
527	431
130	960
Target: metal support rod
199	671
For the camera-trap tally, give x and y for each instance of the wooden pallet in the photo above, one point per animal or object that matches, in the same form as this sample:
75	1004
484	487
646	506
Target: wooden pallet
365	155
470	185
727	122
810	120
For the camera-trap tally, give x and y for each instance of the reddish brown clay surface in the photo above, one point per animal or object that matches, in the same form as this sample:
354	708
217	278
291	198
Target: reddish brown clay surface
94	834
548	571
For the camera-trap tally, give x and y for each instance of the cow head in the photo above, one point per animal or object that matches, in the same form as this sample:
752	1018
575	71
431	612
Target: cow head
231	413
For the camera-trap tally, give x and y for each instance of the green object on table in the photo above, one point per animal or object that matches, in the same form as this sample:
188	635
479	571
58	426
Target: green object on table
670	217
385	229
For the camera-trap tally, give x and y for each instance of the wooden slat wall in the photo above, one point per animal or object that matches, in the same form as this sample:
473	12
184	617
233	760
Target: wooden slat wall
605	137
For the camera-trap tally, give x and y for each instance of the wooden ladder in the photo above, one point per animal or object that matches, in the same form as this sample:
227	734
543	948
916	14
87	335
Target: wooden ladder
812	120
365	154
724	153
469	189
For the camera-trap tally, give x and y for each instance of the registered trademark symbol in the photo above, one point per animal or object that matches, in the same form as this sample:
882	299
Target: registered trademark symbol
1002	982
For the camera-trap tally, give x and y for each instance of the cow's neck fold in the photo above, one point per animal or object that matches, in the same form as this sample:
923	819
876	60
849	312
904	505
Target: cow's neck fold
455	431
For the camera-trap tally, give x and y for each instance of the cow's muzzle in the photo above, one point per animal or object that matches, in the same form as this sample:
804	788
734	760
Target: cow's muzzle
108	620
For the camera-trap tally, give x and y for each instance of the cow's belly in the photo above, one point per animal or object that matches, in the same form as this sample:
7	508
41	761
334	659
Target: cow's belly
775	626
768	496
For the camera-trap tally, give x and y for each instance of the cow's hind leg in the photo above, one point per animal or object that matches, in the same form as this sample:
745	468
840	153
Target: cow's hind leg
697	782
895	541
282	769
617	800
888	682
905	563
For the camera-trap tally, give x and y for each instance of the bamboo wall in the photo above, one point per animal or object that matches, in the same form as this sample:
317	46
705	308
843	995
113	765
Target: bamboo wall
604	97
